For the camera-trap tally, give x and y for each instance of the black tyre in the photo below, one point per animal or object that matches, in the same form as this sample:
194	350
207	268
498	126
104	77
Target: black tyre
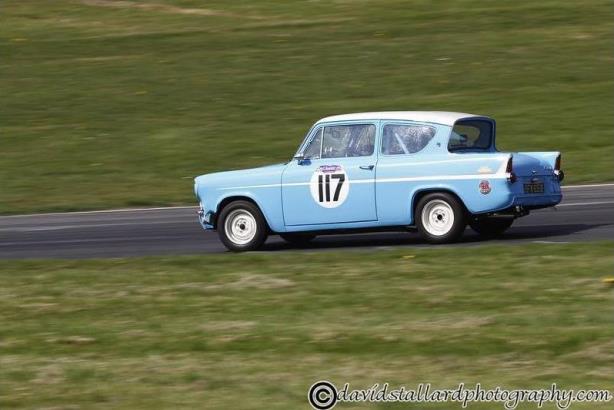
440	217
491	227
297	238
241	226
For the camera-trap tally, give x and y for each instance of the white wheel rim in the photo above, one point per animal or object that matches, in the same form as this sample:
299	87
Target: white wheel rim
240	226
437	217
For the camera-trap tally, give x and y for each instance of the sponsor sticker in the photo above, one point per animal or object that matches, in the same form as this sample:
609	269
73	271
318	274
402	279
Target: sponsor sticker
328	169
329	186
485	187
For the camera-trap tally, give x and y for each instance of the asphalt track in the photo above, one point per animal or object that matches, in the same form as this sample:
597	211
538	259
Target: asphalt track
586	214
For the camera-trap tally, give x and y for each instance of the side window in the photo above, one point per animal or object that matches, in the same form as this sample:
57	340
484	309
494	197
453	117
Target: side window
471	135
405	139
313	149
341	141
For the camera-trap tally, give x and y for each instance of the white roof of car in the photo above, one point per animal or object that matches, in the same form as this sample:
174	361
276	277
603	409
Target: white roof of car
437	117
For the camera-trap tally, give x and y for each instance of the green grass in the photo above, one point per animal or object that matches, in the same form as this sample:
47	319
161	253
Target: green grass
111	104
253	331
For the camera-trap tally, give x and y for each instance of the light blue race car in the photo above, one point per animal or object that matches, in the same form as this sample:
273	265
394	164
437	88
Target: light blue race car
433	171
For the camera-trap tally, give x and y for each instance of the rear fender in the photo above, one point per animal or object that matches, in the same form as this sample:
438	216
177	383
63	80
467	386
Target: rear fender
468	192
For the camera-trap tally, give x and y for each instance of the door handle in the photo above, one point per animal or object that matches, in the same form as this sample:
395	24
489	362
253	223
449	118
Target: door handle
367	167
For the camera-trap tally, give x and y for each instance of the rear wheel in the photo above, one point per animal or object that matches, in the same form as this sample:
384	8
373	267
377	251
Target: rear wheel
297	238
440	217
241	226
491	227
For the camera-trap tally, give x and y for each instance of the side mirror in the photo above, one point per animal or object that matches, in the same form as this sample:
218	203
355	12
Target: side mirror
302	160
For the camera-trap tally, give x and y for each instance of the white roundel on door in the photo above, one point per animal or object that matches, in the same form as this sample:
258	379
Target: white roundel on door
329	186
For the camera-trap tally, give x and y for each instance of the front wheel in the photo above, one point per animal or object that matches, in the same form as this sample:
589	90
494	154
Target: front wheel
491	227
241	226
440	217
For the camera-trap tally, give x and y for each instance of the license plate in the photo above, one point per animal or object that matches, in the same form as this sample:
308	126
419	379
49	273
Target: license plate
534	188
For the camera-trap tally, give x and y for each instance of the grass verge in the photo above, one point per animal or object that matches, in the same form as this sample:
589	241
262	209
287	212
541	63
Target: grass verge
120	103
253	331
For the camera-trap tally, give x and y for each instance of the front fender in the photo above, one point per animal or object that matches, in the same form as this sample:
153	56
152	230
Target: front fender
268	199
260	185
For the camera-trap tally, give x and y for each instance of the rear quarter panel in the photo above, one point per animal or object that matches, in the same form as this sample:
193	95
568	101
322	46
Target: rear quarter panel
401	178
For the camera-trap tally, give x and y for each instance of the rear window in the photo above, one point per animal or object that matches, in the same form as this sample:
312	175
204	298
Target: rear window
471	135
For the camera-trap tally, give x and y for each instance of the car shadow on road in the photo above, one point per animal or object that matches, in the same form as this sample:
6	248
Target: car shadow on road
384	239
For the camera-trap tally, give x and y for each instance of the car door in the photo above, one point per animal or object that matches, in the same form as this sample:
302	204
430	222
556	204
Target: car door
403	167
334	182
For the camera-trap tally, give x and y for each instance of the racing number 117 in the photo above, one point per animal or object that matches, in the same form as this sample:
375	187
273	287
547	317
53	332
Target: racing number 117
324	186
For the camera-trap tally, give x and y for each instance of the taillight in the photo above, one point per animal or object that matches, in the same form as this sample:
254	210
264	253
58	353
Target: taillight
509	170
557	168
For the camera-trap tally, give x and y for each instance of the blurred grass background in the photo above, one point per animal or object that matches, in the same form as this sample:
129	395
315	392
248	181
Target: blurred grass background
254	331
120	103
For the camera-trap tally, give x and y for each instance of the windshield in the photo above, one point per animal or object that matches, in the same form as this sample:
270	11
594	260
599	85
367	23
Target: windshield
471	135
339	141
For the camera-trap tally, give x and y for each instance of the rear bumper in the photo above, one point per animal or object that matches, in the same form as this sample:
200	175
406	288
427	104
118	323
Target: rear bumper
551	196
537	201
523	205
